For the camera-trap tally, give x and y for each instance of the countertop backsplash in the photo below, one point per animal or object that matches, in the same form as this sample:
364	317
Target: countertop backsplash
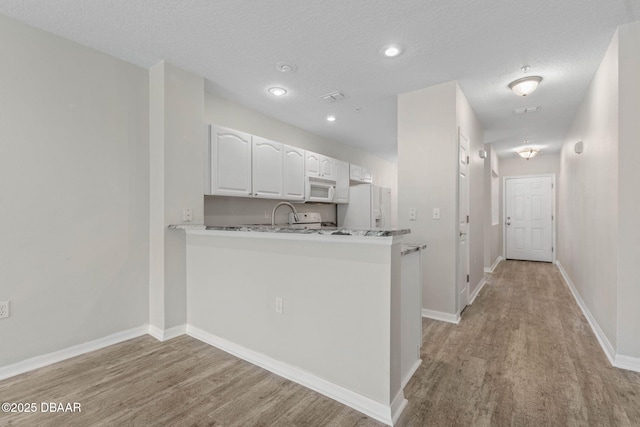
234	211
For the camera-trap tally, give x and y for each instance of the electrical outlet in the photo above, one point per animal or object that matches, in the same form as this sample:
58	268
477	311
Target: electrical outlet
187	214
4	309
412	214
266	215
436	213
279	305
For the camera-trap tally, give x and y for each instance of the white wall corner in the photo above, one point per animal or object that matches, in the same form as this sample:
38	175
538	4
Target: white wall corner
595	327
384	413
441	316
73	351
475	293
627	362
167	334
494	265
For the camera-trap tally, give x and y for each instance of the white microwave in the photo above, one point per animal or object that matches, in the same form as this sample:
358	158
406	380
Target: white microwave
319	191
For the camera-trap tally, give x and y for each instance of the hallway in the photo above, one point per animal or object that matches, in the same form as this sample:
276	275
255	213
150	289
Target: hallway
523	355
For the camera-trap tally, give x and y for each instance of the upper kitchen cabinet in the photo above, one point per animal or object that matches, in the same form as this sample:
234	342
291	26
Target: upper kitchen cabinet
267	168
360	175
327	168
312	164
230	156
342	181
294	173
319	166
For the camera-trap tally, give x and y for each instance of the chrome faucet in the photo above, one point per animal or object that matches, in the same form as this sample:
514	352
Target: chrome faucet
273	214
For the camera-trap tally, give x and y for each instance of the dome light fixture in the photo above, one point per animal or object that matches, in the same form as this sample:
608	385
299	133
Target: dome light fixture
527	153
525	86
277	91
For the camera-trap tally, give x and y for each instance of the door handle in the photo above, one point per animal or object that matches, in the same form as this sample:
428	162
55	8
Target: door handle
462	234
508	223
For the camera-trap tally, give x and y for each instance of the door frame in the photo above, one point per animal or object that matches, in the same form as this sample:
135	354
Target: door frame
458	302
554	214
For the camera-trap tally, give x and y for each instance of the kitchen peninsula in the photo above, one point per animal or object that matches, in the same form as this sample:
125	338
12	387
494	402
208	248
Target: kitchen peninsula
320	307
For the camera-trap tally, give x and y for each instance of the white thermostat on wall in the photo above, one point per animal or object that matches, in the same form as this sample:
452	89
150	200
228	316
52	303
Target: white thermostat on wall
578	148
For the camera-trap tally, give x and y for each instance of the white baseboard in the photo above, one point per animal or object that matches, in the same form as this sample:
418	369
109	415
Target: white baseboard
602	338
617	360
442	316
387	414
412	371
493	267
67	353
167	334
627	362
475	293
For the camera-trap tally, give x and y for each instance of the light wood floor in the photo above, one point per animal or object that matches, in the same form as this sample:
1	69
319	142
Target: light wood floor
522	355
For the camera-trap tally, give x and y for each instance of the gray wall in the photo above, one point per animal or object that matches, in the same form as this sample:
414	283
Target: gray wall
600	205
428	121
74	180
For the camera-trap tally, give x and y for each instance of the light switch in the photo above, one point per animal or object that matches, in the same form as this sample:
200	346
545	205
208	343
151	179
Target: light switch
412	214
436	213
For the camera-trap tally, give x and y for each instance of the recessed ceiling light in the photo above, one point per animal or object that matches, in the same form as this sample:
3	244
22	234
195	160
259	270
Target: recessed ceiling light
331	118
277	91
392	51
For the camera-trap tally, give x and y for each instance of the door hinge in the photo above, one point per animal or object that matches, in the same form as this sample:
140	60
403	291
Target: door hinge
552	185
467	159
467	278
467	219
551	248
551	217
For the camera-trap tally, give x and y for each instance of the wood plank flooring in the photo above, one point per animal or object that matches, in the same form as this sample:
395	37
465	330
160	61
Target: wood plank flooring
523	355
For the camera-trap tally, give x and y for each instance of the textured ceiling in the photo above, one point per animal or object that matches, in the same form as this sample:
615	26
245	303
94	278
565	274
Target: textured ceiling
336	44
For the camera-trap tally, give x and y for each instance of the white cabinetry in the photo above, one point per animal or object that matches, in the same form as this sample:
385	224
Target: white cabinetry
319	166
360	175
293	173
327	168
267	169
230	155
342	181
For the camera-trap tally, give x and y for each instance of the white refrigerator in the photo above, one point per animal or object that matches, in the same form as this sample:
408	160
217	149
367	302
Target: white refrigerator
369	208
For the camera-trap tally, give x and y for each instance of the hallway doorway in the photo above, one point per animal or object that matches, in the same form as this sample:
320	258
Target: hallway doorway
529	218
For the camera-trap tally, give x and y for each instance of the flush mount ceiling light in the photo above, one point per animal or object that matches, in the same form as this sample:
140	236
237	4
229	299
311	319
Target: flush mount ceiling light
277	91
331	118
527	153
392	51
525	85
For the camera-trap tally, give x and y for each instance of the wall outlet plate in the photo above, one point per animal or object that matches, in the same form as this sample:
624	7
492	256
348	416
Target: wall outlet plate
4	309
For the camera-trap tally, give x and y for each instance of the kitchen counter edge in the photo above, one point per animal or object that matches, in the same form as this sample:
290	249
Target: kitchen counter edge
328	231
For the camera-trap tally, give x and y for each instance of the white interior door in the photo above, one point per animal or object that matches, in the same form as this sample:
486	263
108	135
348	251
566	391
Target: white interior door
529	218
463	222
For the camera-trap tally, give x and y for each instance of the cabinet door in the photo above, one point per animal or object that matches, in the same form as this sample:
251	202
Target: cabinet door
312	164
342	182
355	172
267	168
366	176
293	173
230	162
327	168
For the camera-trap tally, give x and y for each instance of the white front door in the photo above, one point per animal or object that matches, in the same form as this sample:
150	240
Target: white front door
529	218
463	223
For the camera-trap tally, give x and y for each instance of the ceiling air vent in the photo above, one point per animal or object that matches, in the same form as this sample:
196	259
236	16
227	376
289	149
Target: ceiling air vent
333	96
526	110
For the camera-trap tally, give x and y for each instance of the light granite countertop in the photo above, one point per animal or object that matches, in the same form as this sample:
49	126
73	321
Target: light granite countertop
407	248
324	231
